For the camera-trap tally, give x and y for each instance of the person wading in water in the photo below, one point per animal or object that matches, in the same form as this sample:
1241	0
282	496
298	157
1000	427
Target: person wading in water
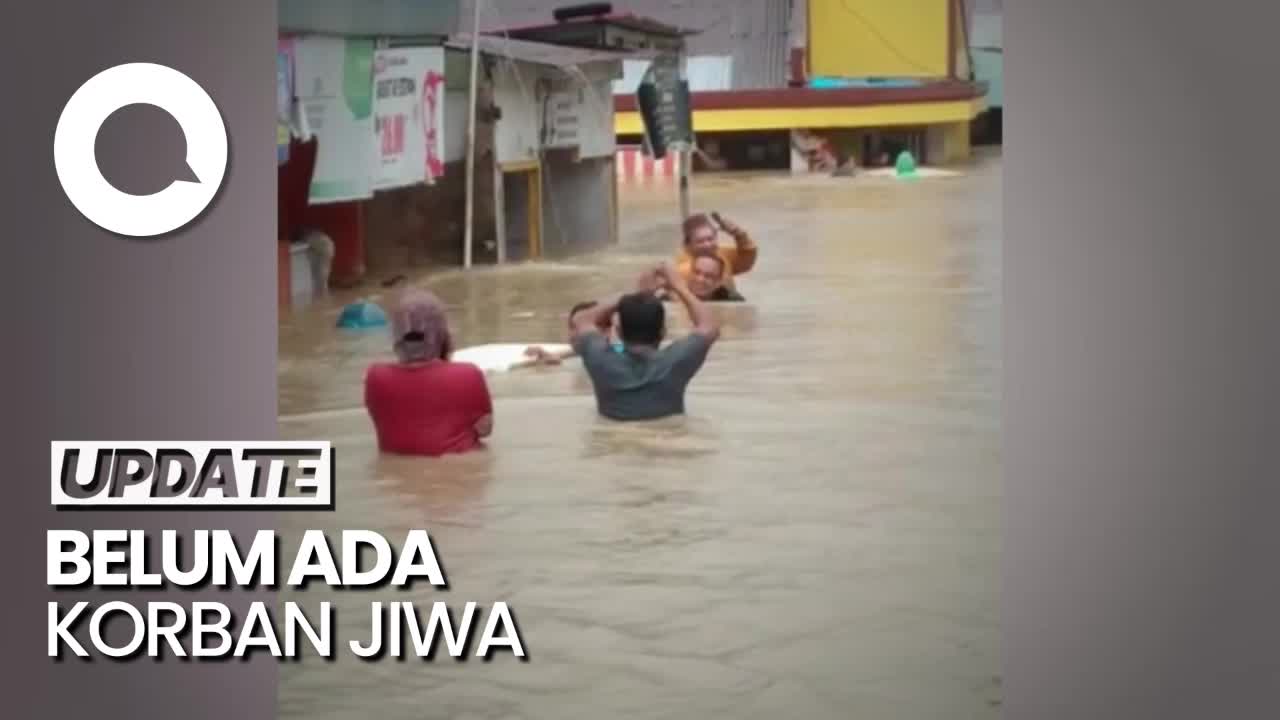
645	381
423	404
701	236
706	279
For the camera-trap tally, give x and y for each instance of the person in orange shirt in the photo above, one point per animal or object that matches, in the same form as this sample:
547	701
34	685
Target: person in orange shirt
701	236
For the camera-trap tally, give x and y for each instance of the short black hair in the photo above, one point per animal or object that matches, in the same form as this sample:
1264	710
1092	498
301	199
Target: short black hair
579	308
641	318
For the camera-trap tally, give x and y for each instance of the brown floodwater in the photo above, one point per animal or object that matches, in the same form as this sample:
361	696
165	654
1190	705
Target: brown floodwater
818	538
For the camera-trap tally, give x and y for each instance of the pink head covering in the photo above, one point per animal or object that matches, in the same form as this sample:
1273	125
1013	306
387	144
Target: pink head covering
419	329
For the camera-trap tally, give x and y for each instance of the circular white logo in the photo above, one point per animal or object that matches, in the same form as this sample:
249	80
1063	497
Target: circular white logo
77	133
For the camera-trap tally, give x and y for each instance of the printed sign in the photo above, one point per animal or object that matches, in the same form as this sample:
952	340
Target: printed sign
333	79
565	126
408	116
663	100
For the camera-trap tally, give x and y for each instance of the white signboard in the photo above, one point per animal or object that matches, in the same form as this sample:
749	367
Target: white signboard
334	85
408	109
565	122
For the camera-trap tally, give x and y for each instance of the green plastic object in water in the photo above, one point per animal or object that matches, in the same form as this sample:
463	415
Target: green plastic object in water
906	165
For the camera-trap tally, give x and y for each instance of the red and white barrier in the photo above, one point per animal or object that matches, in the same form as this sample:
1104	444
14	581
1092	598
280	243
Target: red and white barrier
632	163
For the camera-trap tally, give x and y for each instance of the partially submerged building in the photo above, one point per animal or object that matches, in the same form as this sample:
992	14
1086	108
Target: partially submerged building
390	199
335	207
864	78
544	155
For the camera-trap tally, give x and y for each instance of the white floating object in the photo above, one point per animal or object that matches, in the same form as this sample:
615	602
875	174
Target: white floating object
503	357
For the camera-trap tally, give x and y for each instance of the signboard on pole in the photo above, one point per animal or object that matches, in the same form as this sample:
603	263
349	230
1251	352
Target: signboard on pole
408	116
663	100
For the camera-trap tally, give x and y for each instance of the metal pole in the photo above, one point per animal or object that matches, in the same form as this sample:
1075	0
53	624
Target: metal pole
471	138
685	155
684	184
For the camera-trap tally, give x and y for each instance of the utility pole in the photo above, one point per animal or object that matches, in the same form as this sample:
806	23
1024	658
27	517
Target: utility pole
469	232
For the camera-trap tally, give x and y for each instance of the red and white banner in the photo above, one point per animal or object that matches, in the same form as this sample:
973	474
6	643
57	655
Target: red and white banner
632	163
408	108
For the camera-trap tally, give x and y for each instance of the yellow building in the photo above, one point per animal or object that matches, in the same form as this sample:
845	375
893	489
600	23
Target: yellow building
895	39
866	78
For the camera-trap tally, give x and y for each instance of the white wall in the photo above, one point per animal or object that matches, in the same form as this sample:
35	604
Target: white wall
598	138
706	72
455	125
518	92
591	105
575	205
515	91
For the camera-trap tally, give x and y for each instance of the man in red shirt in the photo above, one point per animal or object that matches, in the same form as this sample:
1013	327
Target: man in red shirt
424	404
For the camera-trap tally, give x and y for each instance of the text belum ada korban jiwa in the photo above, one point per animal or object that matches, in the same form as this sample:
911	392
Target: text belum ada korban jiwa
124	630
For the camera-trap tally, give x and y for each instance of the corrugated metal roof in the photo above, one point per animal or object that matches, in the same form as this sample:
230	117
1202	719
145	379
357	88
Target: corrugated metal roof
541	53
753	33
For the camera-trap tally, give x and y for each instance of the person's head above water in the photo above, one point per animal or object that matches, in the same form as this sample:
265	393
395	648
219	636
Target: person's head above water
706	274
605	325
700	234
419	329
579	308
641	319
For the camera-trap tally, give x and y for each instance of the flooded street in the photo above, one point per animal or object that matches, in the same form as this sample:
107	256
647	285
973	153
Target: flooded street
819	538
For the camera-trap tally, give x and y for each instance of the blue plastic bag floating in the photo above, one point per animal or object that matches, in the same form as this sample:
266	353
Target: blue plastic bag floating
362	315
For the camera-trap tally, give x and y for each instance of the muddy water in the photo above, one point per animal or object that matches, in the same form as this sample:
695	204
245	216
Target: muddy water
819	538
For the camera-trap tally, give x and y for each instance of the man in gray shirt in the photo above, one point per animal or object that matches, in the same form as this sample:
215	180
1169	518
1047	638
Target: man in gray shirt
645	381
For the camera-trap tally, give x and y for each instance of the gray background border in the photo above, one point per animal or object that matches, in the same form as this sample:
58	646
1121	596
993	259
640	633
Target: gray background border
112	338
1140	555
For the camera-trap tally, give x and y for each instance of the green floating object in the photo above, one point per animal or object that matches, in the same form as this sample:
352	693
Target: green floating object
905	167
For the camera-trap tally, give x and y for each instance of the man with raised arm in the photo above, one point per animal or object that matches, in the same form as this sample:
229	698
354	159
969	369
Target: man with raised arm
645	381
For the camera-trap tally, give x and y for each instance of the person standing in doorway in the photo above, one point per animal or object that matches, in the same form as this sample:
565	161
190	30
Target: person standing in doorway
320	253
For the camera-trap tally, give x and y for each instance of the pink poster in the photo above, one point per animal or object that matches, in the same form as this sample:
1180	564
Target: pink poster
408	116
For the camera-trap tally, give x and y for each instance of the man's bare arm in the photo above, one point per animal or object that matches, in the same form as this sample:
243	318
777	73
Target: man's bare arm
592	318
745	251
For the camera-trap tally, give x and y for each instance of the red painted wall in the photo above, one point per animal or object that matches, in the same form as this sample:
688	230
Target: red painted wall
344	223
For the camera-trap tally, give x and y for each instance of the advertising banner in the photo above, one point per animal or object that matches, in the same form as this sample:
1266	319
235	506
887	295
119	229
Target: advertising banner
408	111
333	80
